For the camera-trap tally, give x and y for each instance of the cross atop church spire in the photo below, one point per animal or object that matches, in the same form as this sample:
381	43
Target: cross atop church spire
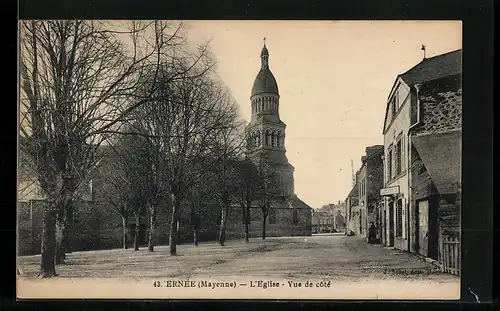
264	41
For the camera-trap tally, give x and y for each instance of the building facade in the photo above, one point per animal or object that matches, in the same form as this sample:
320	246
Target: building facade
423	120
436	139
354	218
329	218
370	181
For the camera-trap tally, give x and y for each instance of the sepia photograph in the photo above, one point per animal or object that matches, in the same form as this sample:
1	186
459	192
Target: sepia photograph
239	159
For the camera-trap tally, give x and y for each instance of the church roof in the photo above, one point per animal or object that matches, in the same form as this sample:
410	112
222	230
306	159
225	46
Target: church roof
265	81
298	203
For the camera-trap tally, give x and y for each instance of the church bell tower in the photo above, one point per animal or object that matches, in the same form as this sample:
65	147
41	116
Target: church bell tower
266	132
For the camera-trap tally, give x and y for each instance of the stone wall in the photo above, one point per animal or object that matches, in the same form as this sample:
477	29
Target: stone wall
440	106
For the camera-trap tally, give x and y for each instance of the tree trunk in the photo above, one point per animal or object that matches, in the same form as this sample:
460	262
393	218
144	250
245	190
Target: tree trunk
137	230
223	224
47	264
247	220
264	217
178	231
195	235
223	221
125	231
60	254
194	224
172	239
152	226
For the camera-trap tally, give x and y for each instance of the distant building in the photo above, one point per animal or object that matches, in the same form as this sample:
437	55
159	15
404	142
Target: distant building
329	218
370	181
354	217
422	139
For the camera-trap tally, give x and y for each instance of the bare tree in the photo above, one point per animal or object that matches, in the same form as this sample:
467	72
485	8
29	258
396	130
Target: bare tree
200	193
269	191
78	84
227	151
247	186
201	118
182	128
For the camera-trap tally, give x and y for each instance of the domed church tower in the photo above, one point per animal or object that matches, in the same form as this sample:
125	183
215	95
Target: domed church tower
265	131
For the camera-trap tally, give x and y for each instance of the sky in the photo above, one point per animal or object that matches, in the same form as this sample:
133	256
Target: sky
333	78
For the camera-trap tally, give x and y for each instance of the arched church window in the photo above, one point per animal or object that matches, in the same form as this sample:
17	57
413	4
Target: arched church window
272	216
295	217
267	138
278	141
273	138
261	105
258	138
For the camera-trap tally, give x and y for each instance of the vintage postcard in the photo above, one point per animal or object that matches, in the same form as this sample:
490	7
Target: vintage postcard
239	159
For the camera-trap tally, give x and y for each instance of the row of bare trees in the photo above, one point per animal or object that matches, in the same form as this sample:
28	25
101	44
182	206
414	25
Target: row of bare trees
141	90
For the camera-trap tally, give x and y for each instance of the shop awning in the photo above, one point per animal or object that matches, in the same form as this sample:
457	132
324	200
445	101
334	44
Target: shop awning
441	155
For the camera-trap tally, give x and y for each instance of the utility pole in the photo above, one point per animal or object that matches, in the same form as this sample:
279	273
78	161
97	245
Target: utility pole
353	175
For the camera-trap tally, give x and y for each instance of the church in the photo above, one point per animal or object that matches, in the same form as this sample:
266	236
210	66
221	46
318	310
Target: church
266	145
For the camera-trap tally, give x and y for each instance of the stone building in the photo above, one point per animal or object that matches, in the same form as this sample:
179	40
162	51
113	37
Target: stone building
266	143
370	181
422	141
435	156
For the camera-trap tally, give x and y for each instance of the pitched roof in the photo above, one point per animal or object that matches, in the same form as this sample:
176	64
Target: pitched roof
434	68
298	203
441	154
428	69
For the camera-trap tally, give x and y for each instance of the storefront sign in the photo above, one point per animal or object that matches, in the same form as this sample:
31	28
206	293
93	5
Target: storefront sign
389	191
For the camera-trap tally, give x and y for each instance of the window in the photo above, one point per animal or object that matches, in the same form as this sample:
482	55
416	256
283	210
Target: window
398	152
295	217
272	216
399	218
402	153
389	164
414	107
246	216
393	107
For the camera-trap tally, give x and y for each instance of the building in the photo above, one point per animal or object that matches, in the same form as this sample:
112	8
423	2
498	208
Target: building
353	210
329	218
266	145
370	181
435	155
423	120
322	221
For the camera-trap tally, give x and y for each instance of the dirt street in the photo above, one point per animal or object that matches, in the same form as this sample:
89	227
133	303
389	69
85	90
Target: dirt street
334	256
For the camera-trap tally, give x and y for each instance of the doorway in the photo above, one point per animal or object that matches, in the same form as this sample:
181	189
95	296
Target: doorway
384	230
360	222
391	224
427	226
423	227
